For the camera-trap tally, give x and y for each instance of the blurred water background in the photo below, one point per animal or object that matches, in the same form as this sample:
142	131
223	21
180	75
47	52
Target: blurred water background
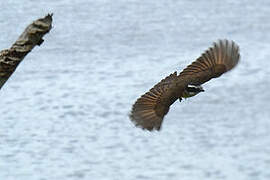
64	113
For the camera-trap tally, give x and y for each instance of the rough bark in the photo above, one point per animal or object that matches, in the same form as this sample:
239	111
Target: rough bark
32	36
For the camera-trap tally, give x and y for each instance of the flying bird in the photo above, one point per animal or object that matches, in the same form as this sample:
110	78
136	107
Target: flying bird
149	110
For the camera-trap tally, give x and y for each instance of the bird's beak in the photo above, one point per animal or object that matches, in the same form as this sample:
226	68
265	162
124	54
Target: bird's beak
200	89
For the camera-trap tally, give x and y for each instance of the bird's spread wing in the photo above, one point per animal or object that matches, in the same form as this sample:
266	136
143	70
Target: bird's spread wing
149	110
218	59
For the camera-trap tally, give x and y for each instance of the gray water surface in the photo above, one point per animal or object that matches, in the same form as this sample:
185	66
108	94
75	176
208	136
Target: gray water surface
64	113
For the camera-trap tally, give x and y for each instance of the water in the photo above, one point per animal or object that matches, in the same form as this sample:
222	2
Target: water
64	113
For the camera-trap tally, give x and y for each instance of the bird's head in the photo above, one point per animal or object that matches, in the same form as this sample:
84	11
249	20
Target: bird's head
192	90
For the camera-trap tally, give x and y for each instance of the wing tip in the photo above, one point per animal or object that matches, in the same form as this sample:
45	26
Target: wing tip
143	114
144	111
147	123
229	52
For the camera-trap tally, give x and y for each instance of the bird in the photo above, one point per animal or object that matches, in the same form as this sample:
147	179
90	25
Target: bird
149	110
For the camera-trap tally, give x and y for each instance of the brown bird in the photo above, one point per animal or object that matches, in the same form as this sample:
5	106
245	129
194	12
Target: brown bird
149	110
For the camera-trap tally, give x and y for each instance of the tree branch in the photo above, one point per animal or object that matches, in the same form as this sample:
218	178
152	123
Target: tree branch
32	36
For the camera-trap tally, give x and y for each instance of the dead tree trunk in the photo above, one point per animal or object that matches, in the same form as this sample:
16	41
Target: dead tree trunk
32	36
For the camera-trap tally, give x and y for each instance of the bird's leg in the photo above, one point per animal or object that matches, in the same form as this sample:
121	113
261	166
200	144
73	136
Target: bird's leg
180	99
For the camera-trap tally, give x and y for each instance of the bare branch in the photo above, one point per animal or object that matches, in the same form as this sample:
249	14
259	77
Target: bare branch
32	36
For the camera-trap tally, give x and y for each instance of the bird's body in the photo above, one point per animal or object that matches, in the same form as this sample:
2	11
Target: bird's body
149	110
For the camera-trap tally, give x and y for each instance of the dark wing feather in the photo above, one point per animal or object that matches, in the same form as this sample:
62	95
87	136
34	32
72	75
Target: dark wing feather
150	109
222	57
